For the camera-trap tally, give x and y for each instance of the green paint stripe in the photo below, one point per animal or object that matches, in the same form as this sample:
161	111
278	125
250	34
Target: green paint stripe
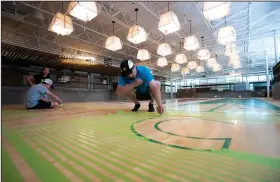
52	135
126	154
106	156
38	142
226	143
81	163
149	159
9	171
212	110
41	167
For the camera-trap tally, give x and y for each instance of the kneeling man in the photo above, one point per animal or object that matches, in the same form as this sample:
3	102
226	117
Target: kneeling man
137	83
37	96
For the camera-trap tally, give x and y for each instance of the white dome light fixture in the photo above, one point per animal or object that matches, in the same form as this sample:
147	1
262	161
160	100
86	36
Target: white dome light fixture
192	65
113	43
136	33
226	35
185	71
168	22
143	54
84	11
203	54
162	62
164	49
61	24
181	58
199	69
216	10
211	62
175	67
230	49
217	67
191	42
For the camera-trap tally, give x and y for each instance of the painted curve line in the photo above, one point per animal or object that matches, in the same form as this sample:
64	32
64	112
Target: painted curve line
132	129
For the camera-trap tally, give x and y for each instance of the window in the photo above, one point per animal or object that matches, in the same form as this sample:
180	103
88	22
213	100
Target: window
221	80
212	81
253	78
238	79
262	78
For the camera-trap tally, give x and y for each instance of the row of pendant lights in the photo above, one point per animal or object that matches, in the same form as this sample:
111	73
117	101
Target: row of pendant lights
226	35
86	11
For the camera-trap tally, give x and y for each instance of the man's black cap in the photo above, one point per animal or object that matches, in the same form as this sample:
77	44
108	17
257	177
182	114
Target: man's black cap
126	67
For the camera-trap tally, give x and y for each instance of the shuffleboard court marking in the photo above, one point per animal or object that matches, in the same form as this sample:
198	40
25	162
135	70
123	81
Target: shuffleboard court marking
226	144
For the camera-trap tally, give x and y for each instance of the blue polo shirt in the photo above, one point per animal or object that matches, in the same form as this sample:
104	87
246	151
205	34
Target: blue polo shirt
34	94
144	73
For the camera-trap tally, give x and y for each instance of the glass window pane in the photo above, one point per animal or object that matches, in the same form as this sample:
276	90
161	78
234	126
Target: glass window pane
221	80
262	78
253	78
212	81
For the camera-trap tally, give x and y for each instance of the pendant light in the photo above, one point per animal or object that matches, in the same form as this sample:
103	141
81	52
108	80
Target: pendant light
136	33
203	54
113	43
168	22
61	24
191	42
181	58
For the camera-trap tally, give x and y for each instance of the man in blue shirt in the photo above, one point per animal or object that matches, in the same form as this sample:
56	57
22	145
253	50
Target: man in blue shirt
137	83
37	96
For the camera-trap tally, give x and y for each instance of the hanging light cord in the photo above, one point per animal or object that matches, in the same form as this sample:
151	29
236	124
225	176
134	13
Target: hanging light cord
190	27
136	9
113	27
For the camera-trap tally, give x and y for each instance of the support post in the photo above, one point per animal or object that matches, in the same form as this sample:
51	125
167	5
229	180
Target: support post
276	48
267	75
171	86
247	82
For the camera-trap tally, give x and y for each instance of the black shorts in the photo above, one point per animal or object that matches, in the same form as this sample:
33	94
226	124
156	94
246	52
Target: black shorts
42	105
143	96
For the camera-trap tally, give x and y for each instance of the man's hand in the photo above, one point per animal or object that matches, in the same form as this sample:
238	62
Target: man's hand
160	109
137	82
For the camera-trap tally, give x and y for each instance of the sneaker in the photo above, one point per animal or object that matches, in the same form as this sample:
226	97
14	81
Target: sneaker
136	107
151	108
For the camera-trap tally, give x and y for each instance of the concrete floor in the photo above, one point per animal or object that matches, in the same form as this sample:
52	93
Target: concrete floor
195	140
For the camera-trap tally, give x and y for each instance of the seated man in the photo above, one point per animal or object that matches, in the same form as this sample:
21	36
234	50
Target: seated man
37	96
137	83
37	79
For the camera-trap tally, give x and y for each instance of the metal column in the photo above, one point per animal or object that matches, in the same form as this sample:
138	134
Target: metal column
276	48
248	45
89	80
267	75
247	82
171	86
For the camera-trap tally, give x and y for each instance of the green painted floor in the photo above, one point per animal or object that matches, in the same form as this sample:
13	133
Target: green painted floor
104	148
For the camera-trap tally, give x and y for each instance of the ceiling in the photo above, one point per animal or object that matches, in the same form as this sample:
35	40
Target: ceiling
26	24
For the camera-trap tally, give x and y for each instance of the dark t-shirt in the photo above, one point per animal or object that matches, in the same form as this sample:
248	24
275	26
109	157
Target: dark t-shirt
39	78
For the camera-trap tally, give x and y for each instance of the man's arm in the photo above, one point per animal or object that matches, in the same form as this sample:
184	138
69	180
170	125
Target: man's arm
122	90
155	91
54	96
154	88
30	80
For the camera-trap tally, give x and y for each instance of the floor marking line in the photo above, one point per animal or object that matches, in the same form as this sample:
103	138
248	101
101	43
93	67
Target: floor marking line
26	172
58	166
225	145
